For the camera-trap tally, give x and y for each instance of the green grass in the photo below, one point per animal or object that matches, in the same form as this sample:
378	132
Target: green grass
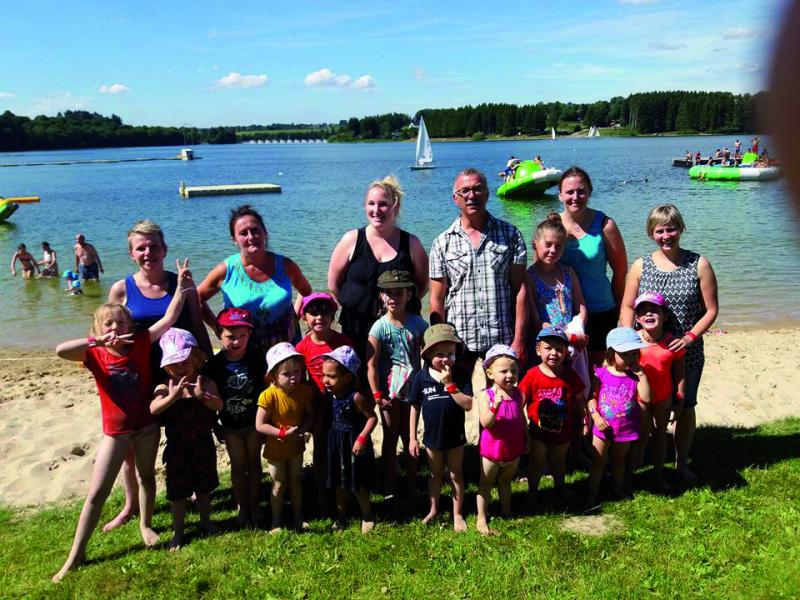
734	537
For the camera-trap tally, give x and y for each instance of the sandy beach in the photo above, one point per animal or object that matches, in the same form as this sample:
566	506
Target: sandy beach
50	413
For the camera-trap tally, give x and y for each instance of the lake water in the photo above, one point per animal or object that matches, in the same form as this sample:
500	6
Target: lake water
747	230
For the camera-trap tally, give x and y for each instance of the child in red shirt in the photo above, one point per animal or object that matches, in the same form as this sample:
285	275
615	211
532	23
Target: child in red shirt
318	311
556	404
120	363
666	373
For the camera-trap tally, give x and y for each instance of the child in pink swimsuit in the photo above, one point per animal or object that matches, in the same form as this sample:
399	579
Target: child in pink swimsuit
619	387
502	440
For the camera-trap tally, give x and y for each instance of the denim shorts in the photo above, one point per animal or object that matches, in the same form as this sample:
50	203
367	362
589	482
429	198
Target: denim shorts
693	375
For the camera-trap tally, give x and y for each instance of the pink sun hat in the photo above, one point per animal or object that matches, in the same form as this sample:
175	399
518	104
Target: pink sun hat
176	346
651	297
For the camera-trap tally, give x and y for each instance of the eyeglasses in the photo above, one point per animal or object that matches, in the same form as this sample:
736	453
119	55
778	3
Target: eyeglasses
477	190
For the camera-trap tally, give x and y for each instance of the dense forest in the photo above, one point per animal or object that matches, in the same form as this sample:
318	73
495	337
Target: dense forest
82	129
643	113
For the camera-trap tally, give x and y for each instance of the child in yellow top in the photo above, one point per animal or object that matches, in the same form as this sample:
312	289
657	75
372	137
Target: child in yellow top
284	416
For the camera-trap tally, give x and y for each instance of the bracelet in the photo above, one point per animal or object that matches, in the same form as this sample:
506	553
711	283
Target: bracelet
592	410
362	440
690	335
91	341
451	388
493	409
679	395
377	395
282	433
573	338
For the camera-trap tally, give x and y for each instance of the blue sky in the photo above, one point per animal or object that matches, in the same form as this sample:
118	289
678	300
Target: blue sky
205	63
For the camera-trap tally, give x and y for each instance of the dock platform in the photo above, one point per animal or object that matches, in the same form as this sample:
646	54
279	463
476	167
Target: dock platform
228	190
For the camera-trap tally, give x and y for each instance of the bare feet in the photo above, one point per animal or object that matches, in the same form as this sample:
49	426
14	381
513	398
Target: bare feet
176	542
125	515
484	528
430	517
367	525
149	536
459	524
303	526
275	529
71	563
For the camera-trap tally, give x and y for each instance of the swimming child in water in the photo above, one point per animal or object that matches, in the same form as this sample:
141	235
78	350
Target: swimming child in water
26	261
120	363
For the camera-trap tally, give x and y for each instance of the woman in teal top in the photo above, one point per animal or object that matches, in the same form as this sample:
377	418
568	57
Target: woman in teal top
593	242
258	280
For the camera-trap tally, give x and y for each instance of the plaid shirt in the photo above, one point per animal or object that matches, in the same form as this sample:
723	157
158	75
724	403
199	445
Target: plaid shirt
479	301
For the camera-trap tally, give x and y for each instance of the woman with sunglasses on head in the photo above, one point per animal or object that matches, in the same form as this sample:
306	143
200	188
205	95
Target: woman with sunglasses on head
363	254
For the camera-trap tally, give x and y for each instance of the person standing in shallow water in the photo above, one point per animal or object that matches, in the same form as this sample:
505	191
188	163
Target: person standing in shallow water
87	260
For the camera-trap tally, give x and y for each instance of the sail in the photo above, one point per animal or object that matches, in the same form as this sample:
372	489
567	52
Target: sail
424	150
552	133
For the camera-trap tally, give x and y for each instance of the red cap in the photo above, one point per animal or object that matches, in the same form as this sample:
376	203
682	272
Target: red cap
235	317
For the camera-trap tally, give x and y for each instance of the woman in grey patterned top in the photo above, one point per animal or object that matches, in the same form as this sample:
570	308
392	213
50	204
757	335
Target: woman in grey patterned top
688	284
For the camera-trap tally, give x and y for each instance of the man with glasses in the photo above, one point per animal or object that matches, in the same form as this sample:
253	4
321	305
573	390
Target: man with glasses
477	274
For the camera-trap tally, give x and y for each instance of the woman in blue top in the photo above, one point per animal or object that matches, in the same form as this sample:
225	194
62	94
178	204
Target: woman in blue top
593	242
147	294
258	280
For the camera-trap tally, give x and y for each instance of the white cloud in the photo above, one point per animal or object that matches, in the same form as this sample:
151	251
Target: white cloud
638	2
667	46
325	78
234	80
419	73
364	83
7	95
114	88
58	102
741	33
745	67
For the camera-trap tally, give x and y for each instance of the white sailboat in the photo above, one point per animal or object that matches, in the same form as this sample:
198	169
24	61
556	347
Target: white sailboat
424	156
553	134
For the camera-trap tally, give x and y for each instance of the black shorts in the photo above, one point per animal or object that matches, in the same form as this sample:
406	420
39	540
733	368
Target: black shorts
598	326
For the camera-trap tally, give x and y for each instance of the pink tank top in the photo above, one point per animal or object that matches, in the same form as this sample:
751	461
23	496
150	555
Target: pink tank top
504	441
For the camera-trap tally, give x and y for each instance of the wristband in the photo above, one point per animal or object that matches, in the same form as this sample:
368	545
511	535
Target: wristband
573	338
451	388
91	341
690	335
282	433
679	395
362	440
377	395
493	409
592	410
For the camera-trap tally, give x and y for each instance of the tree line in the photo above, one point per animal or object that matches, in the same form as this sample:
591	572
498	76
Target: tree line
83	129
641	113
645	113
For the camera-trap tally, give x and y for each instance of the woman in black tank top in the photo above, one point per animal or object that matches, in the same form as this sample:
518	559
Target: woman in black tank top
359	258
